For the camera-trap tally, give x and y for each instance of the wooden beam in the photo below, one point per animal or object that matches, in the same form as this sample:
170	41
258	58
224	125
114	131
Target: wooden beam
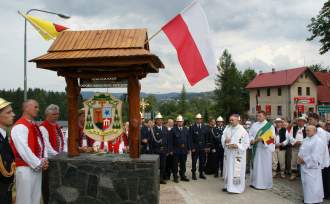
133	90
100	62
73	92
93	74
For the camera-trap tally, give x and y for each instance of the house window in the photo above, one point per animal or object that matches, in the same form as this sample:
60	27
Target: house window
279	91
268	91
258	92
299	91
279	110
308	91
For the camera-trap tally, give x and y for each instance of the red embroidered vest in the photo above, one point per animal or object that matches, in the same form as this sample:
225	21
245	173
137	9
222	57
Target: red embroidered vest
33	135
55	134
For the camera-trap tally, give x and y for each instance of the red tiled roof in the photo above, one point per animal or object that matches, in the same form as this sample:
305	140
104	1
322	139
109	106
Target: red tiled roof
277	78
323	91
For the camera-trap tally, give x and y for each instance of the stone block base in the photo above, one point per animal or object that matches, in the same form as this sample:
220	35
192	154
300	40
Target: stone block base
103	179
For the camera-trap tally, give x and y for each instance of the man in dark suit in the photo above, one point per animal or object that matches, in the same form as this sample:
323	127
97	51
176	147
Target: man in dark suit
199	134
6	155
159	144
181	145
216	133
145	135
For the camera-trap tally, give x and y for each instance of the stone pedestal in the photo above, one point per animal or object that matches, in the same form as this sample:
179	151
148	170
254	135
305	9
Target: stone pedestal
103	179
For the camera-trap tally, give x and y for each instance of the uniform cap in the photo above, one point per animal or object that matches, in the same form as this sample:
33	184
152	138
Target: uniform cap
220	119
198	116
159	116
179	118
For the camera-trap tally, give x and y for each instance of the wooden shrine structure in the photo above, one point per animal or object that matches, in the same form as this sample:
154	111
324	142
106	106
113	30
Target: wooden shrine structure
102	58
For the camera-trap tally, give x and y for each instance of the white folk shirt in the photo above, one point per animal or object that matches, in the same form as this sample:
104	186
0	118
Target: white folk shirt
19	136
261	175
235	158
50	150
311	174
299	135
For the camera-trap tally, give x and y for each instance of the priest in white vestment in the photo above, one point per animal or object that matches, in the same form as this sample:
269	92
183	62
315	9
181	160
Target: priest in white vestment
236	141
310	158
261	168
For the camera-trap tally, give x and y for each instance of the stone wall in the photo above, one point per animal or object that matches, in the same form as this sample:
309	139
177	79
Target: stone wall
103	179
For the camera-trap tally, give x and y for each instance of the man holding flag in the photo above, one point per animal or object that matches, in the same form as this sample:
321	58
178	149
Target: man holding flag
262	134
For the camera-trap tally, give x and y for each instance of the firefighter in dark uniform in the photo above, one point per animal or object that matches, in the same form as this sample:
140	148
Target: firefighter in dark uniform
181	145
159	144
7	165
216	134
199	134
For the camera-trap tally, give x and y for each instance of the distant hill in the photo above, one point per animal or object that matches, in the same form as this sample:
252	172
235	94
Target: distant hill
159	97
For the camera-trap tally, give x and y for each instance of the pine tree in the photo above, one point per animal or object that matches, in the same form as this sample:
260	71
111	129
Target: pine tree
183	102
116	122
228	87
89	122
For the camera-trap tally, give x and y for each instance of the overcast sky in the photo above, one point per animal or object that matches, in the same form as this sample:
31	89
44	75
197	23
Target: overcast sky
261	34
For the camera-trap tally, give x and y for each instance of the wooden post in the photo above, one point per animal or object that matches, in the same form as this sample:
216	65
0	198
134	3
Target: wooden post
133	91
72	96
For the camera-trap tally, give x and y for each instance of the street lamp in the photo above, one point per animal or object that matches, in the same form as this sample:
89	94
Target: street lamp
25	55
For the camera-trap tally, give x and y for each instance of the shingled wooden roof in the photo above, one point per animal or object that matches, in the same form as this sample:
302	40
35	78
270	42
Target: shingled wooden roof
119	50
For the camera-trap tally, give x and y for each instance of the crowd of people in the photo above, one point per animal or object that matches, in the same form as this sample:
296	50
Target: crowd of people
264	149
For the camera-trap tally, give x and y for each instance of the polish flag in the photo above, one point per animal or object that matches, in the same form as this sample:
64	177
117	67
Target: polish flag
190	35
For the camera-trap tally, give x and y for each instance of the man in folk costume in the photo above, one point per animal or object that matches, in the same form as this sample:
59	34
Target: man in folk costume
200	140
280	147
52	132
30	155
54	141
313	119
159	144
262	136
216	134
236	140
310	158
7	165
296	137
181	144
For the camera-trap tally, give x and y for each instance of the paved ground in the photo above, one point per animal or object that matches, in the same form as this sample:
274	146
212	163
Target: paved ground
209	192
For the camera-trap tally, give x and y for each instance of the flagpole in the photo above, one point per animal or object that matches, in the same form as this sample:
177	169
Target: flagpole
154	35
160	30
25	42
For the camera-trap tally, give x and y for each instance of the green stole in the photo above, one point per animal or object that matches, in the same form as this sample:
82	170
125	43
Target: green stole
260	132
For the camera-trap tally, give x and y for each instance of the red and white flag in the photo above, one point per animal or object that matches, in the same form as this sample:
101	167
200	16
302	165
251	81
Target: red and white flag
190	34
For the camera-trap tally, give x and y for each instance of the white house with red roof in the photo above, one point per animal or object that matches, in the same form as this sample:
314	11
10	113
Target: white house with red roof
285	93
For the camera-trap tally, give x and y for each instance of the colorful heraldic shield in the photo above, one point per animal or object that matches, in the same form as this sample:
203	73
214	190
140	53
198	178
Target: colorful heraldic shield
103	120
